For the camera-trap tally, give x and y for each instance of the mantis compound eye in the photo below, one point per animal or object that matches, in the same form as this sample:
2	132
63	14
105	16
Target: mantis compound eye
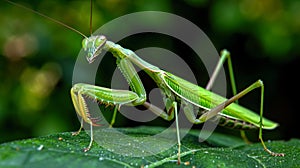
100	41
84	43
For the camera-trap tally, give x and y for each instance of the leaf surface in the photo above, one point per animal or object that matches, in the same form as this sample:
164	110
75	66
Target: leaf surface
220	150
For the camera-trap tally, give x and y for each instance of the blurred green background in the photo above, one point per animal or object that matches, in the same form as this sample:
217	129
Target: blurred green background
37	56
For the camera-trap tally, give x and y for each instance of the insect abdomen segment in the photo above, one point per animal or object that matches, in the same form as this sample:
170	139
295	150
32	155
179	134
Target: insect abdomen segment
235	123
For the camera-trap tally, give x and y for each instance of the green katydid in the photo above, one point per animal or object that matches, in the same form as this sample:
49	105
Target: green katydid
176	91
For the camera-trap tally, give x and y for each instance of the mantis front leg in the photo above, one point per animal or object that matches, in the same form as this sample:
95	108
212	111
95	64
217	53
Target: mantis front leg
108	96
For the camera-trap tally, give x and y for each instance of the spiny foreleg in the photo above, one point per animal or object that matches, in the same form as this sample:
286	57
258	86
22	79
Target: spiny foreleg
102	95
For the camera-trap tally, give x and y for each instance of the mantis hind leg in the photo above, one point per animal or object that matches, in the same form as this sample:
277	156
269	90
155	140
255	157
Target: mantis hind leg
226	55
213	112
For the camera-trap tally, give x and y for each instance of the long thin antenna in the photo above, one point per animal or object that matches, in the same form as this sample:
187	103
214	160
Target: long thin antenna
47	17
91	18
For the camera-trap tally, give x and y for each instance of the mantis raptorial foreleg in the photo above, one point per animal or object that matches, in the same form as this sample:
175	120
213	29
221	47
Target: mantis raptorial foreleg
81	126
108	96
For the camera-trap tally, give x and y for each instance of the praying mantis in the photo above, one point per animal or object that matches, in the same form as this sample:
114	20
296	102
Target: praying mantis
176	90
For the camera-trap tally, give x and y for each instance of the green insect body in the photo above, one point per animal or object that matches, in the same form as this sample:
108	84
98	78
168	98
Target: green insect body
175	89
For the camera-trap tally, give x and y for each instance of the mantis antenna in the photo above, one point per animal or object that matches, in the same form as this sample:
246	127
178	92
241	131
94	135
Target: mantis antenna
91	18
47	17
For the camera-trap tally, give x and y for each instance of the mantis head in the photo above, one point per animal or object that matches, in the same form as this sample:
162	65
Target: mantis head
93	46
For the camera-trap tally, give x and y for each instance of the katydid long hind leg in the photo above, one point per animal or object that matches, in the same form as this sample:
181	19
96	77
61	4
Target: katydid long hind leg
213	112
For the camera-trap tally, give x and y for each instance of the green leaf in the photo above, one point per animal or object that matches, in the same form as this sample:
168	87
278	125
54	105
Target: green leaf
220	150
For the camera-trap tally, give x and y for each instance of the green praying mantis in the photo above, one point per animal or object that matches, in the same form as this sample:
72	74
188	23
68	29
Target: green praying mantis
176	91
